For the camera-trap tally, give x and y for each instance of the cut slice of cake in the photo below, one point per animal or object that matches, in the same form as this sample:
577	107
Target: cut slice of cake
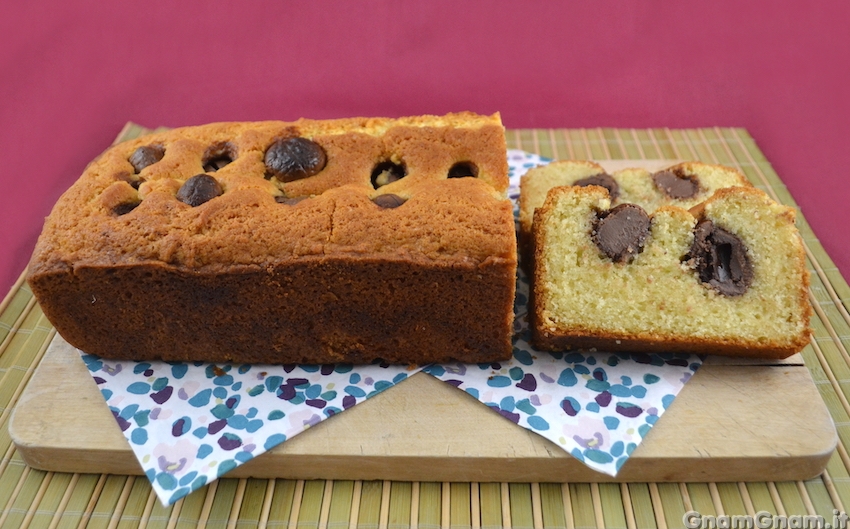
727	277
683	185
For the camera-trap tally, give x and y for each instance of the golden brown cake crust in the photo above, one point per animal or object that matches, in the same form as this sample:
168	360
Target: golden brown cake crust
246	277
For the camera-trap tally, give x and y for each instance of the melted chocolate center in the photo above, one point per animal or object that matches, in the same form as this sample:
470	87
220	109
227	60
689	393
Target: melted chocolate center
676	184
721	259
603	180
620	232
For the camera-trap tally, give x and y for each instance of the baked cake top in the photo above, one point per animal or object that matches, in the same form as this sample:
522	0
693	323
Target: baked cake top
429	188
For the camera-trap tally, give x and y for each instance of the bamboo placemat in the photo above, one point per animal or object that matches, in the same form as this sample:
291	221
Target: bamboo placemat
34	498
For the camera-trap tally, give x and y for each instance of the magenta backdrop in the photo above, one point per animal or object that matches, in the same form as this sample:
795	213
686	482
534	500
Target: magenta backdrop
72	73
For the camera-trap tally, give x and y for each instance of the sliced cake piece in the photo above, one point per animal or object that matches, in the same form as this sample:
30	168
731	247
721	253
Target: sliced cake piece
683	185
727	277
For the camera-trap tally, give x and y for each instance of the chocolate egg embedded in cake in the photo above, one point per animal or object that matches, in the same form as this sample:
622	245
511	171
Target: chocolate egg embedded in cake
388	201
198	190
125	207
602	180
289	201
621	231
292	159
146	155
721	259
676	184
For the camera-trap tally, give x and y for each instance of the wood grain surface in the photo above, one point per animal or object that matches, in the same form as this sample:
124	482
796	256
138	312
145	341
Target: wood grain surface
732	422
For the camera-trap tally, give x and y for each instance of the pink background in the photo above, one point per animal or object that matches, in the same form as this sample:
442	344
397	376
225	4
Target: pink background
74	72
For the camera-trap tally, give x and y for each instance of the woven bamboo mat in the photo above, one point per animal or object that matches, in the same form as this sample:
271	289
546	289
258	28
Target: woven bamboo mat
33	498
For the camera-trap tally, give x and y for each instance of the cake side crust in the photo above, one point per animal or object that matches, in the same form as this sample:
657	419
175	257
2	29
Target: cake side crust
313	310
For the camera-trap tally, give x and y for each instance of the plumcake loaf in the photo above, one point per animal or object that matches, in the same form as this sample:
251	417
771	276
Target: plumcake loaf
683	185
331	241
727	277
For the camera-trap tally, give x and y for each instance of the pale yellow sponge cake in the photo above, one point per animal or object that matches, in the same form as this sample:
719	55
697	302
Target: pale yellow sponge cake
727	277
683	185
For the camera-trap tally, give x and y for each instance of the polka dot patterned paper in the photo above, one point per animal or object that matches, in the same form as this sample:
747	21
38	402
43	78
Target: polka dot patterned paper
189	424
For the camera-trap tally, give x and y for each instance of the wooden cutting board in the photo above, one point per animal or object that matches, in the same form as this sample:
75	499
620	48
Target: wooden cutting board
736	420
